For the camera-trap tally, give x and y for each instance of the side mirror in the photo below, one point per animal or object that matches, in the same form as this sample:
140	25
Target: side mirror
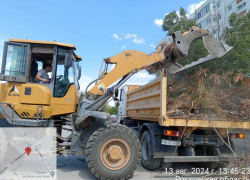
67	61
79	72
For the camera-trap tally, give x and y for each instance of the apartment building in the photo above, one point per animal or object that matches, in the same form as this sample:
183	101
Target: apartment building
213	14
166	39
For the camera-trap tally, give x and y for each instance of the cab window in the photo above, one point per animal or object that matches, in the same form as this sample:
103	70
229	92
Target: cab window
64	76
40	56
15	62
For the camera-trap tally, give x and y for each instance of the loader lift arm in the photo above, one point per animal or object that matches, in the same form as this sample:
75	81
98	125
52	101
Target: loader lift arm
131	61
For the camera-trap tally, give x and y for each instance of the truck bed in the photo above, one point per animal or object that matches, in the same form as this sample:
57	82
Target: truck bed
149	103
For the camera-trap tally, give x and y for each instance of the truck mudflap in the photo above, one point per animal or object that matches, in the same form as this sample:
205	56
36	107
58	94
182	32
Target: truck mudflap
198	158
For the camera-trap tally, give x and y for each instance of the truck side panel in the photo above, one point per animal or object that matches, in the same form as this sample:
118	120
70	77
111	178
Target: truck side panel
148	102
122	111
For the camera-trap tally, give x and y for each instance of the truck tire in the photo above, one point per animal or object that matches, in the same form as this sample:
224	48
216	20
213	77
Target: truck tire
147	160
113	152
165	165
3	145
209	165
223	165
213	165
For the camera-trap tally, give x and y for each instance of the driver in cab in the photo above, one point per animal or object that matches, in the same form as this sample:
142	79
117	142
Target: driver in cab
42	75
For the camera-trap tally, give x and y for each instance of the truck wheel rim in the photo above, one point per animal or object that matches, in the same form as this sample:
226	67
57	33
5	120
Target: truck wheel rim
145	150
115	153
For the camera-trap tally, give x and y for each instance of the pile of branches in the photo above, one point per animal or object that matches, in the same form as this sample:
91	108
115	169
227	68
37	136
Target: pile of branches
210	95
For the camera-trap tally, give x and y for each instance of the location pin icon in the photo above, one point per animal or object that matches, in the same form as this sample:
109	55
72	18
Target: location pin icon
52	173
28	150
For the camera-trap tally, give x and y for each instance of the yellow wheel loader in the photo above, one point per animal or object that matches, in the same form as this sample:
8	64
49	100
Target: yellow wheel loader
112	151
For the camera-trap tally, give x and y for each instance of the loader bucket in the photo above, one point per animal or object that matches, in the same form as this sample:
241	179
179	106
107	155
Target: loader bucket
178	50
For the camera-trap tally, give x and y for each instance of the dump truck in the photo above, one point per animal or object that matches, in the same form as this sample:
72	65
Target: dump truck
167	137
26	102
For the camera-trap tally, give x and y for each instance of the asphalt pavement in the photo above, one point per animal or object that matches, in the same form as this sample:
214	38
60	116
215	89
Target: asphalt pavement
75	168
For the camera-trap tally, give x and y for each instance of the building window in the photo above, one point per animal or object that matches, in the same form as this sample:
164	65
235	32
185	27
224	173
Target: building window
205	22
229	7
218	4
203	11
242	13
241	6
214	31
239	1
219	16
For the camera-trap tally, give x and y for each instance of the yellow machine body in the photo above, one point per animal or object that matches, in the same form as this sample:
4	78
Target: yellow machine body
32	100
26	106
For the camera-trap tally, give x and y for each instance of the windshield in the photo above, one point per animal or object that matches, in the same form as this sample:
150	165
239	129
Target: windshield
65	76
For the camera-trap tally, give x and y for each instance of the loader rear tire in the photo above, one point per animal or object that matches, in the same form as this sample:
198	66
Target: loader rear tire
113	152
3	145
147	160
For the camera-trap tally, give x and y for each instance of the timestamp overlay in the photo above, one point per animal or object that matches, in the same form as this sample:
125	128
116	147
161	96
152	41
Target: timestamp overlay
28	153
208	174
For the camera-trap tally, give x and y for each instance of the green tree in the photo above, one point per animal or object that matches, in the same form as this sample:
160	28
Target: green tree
239	37
114	110
106	108
172	22
183	12
169	21
195	52
183	25
232	19
110	109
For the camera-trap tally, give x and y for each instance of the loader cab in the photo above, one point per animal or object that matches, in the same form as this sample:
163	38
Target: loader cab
22	59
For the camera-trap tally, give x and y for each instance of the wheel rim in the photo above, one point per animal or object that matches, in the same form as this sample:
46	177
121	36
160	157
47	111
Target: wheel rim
115	153
145	150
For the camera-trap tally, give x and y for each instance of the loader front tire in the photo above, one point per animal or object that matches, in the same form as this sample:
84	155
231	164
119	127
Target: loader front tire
113	152
3	145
